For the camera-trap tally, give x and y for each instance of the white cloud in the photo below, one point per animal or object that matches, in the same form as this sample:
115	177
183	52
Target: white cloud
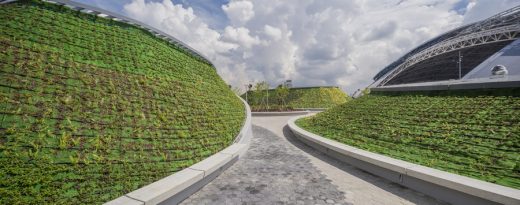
312	42
273	32
181	23
240	36
342	43
239	12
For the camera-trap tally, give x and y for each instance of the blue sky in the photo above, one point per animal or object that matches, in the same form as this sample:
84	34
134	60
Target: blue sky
312	42
461	6
115	6
209	10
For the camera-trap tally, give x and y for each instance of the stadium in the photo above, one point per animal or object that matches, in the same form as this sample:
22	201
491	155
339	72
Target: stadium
96	107
465	55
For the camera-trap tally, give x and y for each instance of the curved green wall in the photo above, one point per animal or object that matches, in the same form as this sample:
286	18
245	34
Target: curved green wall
92	109
471	133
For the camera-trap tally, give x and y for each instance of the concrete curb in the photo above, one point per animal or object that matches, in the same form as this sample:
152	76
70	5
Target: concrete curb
175	188
311	109
442	185
288	113
297	111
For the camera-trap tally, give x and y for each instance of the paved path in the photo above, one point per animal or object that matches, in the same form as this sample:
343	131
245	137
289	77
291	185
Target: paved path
277	169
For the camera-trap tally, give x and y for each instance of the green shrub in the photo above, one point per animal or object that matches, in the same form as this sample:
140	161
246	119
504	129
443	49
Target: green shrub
312	97
92	109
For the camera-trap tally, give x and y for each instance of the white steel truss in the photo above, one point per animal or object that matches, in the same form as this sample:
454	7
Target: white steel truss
504	26
485	37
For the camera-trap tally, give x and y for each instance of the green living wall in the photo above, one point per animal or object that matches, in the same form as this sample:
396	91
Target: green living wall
91	109
472	133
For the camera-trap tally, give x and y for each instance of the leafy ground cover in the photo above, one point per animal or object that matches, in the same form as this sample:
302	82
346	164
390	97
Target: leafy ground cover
472	135
312	97
91	109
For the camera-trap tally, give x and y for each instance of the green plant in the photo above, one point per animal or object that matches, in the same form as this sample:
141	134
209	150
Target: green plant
281	95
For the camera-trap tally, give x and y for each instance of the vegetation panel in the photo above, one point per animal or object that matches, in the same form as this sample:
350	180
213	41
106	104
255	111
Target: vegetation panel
91	109
471	135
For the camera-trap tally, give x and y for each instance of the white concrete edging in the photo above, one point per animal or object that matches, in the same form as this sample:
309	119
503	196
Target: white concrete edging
296	111
311	109
285	113
481	189
201	172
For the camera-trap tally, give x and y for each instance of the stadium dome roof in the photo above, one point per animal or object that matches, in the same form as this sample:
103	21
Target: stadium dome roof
460	53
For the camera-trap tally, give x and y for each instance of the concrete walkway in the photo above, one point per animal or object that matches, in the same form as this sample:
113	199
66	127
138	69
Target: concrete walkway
278	169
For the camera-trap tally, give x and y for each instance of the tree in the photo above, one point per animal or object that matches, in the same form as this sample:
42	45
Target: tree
282	92
261	86
261	94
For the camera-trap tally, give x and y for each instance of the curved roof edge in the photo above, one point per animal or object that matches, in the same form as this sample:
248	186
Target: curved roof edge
120	18
457	32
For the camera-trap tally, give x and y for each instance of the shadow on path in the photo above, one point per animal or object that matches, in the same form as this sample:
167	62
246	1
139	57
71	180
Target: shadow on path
394	188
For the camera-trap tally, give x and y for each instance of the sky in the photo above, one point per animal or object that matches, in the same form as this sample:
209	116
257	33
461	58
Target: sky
312	42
